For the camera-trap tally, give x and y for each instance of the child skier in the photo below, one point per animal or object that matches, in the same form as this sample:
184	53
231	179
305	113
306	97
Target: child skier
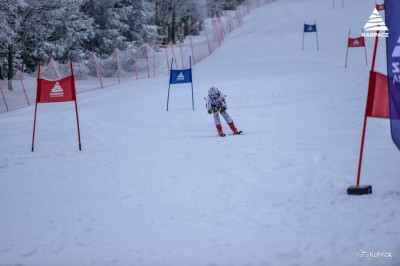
216	104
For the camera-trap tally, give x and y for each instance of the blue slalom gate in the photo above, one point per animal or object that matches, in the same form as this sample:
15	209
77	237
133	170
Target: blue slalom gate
179	77
309	28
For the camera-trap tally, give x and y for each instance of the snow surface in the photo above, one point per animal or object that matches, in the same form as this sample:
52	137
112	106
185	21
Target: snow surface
152	187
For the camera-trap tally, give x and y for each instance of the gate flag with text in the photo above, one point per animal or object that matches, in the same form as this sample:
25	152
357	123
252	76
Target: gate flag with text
53	91
392	11
179	77
50	91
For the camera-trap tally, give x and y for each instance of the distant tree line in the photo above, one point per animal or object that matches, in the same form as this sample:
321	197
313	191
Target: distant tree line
37	30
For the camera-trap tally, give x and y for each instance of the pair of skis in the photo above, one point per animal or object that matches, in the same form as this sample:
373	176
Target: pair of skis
237	133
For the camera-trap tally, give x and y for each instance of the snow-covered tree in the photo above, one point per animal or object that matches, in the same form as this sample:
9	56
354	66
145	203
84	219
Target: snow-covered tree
70	32
34	30
109	25
138	15
178	16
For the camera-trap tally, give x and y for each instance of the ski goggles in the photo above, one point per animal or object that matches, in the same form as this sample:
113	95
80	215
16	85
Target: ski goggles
215	96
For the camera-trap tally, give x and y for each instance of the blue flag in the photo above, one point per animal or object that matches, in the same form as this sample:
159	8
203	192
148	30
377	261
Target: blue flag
310	28
180	76
392	9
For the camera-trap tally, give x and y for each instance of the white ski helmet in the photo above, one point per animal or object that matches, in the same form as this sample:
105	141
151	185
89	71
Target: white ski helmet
213	91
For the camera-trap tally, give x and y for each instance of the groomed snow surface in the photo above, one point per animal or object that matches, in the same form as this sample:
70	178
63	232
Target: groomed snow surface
157	188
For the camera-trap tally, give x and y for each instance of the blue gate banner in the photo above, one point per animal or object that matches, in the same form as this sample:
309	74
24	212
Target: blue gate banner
310	28
392	9
180	76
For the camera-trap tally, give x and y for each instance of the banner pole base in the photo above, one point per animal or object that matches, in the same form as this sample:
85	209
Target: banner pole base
359	190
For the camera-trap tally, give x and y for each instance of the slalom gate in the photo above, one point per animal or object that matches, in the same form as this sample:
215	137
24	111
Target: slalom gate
310	28
61	89
180	77
358	42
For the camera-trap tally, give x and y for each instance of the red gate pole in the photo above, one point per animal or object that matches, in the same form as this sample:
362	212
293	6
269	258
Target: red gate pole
19	73
365	115
76	107
347	52
34	119
4	98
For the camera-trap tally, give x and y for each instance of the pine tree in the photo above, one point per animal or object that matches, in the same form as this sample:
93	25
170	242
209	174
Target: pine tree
33	31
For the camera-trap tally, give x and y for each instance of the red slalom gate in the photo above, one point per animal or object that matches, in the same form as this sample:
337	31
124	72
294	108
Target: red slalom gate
377	105
358	42
53	91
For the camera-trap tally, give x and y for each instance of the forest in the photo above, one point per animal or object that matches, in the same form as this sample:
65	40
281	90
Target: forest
33	31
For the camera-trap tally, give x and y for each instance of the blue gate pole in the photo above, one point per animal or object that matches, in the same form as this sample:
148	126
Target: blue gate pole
191	80
169	86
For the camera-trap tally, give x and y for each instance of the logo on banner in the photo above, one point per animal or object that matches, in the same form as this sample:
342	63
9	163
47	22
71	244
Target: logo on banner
375	23
56	91
356	42
396	65
310	28
180	77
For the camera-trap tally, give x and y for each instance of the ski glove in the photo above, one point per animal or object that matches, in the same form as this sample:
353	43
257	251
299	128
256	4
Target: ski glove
209	111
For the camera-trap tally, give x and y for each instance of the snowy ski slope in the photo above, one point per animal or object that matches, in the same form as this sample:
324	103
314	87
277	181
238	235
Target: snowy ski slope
157	188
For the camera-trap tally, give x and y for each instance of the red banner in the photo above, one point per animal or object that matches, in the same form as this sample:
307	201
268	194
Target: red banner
380	7
62	90
356	42
378	96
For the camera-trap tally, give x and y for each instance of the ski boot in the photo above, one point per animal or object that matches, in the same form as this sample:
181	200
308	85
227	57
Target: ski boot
234	129
219	128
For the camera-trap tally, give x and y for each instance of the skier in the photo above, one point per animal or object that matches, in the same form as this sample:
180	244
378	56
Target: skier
216	104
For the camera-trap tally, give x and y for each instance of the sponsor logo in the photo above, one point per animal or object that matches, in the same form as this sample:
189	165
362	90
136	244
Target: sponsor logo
180	77
375	23
396	63
56	91
356	42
